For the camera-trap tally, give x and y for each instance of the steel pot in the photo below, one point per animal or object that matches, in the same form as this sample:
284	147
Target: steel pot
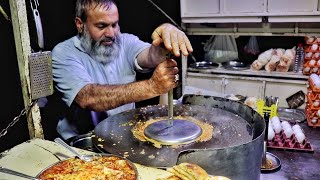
235	151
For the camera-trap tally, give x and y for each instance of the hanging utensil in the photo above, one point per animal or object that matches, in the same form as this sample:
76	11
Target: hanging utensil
40	63
37	19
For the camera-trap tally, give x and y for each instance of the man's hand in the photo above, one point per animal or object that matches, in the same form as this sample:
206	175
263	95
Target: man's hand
174	40
164	76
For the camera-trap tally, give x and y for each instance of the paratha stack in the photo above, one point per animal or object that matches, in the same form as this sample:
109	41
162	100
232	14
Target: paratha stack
188	171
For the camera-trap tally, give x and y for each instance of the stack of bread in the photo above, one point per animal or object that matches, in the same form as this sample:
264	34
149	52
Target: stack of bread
189	171
279	59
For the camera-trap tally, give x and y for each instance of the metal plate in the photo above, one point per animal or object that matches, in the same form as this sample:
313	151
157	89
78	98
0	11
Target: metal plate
276	163
204	65
181	131
291	115
229	130
235	65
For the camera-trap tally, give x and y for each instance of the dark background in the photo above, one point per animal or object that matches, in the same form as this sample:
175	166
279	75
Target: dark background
138	17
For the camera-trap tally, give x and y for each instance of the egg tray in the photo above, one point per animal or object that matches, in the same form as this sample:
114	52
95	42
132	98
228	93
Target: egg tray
309	49
311	69
310	105
310	123
312	86
312	39
313	96
311	55
280	141
308	63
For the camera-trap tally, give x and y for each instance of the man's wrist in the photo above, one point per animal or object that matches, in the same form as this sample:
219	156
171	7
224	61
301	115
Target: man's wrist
139	68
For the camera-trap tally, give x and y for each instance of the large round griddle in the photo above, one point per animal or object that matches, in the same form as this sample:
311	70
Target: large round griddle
114	134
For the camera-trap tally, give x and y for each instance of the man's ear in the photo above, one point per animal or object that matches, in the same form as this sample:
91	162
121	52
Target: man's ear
79	24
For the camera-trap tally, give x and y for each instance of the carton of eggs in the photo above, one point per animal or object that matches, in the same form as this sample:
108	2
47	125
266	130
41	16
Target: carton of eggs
289	137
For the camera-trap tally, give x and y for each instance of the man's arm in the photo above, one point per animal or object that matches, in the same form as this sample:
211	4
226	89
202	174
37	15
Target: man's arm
105	97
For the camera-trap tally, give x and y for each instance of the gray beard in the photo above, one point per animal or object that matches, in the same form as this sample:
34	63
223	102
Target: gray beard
98	52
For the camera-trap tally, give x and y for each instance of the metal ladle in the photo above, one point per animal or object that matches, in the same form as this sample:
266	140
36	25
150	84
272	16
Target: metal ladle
65	145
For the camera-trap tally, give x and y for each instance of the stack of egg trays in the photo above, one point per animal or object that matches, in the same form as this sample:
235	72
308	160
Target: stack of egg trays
312	109
311	63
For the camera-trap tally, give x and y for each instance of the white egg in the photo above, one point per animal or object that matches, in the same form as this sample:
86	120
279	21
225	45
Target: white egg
312	62
306	69
309	55
315	70
296	126
277	128
314	47
285	124
300	137
314	120
275	119
297	131
316	55
316	103
270	126
288	132
271	134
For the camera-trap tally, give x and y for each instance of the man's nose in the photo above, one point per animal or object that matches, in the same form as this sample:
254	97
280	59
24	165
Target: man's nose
109	32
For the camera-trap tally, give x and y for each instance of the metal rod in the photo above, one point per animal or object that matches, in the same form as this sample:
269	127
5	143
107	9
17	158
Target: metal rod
170	107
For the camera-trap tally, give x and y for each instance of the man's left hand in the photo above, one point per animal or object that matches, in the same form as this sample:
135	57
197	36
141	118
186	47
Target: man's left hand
174	40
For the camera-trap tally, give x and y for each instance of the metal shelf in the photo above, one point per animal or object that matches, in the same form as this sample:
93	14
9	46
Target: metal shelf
247	73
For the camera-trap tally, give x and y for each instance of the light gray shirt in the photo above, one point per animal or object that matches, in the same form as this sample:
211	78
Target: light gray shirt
73	68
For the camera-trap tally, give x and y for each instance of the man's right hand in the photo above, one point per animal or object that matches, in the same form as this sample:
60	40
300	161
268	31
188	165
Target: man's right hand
164	76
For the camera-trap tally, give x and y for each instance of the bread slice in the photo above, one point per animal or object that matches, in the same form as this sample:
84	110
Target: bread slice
188	171
181	175
195	171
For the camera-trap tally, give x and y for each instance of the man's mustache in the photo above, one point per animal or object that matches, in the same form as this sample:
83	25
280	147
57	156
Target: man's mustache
107	39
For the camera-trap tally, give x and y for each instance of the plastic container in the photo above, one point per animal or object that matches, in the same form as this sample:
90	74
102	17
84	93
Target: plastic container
298	63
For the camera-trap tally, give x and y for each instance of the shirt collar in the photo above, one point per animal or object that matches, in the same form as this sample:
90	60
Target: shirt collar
77	43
